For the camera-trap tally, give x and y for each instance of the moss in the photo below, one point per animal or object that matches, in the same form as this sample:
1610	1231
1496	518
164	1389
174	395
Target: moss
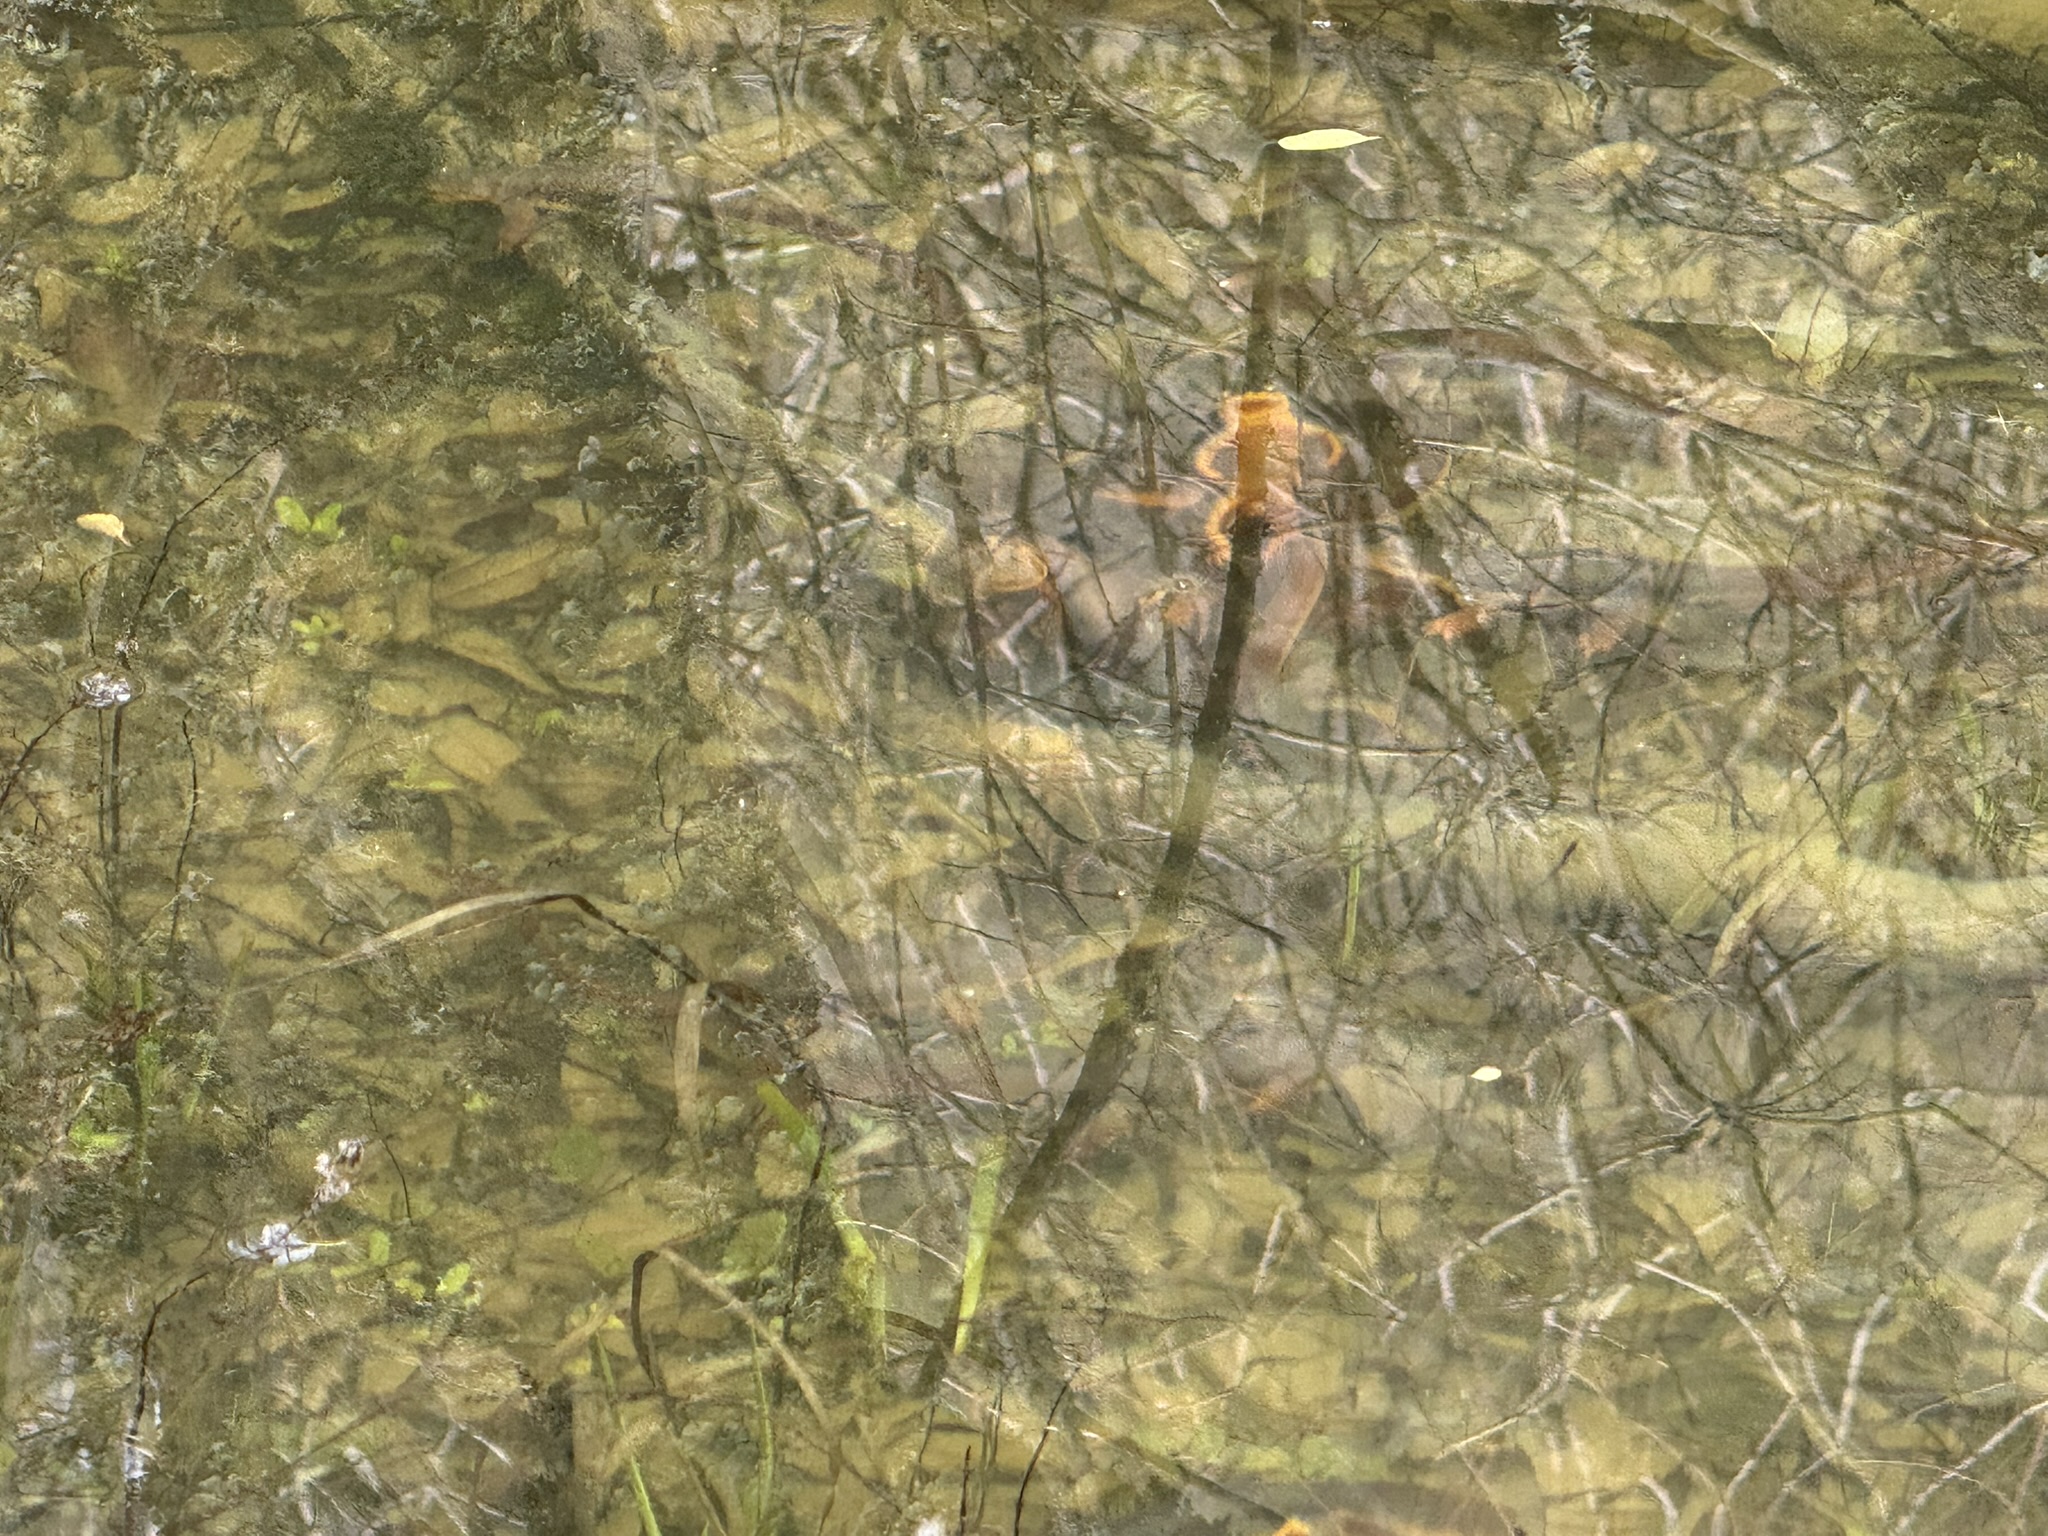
386	153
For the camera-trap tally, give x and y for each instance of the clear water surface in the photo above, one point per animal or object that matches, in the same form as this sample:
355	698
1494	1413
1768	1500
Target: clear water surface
817	769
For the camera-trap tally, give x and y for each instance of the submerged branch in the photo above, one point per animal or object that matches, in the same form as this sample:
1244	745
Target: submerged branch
1146	961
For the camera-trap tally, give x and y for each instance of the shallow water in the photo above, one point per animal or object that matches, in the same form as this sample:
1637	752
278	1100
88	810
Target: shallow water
800	770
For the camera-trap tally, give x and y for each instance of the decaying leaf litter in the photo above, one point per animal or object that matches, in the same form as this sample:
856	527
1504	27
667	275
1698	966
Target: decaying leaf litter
779	466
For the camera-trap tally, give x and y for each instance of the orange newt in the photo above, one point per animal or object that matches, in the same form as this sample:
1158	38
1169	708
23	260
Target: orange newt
1288	439
1291	581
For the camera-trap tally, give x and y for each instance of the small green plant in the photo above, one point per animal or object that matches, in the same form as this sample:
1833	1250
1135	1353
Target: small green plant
90	1142
116	265
454	1292
316	630
324	525
454	1284
422	778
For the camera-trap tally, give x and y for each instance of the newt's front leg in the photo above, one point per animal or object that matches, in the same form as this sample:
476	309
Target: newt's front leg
1287	447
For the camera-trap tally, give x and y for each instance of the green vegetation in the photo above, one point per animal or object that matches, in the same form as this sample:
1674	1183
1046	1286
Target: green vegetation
315	630
323	526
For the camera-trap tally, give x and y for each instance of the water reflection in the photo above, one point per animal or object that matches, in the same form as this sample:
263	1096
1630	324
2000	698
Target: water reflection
909	788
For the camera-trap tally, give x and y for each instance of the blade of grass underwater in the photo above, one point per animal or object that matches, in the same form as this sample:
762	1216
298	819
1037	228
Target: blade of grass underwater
764	1468
981	1222
1351	885
649	1526
862	1274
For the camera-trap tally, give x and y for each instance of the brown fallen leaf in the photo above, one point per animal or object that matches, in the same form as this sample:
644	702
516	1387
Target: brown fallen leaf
1457	624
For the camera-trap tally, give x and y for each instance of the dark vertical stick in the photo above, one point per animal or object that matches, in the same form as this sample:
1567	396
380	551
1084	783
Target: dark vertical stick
1031	1466
1146	961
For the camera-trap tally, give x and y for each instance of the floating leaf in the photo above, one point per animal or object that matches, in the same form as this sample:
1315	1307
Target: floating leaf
105	523
1325	138
1487	1074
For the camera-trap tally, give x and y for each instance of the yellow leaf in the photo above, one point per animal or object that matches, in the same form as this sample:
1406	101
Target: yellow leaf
1811	332
105	523
1157	253
987	414
1605	169
1325	138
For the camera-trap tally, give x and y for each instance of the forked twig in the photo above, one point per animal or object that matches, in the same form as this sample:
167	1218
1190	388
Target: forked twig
723	1295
